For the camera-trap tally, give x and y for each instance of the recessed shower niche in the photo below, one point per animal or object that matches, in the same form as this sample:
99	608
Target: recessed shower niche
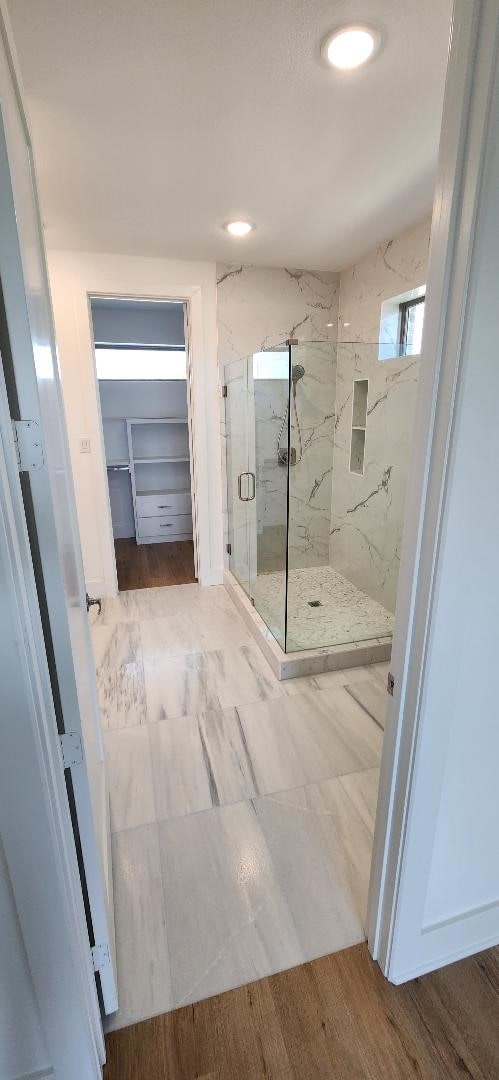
359	419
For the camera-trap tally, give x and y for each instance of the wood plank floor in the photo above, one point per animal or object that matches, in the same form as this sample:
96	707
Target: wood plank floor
146	566
336	1017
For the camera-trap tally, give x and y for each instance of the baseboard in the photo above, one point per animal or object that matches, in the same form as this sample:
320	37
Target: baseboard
40	1074
98	588
213	576
444	960
123	532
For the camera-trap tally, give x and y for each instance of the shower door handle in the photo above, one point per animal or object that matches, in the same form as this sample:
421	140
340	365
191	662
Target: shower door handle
245	498
240	487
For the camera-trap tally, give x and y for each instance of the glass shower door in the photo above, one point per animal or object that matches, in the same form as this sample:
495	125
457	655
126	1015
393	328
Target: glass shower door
268	412
240	482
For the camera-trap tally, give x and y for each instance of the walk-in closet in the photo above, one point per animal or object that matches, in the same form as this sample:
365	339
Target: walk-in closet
141	369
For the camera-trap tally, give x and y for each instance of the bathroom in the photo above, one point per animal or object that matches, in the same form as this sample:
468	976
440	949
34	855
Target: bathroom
322	577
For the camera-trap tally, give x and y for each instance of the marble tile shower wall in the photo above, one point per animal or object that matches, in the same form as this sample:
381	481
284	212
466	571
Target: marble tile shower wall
257	308
310	478
368	510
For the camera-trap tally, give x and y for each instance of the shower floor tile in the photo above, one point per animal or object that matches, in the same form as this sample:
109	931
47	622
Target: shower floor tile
345	613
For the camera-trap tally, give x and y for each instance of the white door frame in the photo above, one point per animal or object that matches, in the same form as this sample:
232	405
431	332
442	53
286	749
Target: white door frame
186	301
461	160
37	832
74	277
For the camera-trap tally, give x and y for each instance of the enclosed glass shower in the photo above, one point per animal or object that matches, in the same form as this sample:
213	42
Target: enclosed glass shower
313	499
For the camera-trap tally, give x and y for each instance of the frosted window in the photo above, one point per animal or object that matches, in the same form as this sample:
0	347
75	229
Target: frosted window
271	365
141	363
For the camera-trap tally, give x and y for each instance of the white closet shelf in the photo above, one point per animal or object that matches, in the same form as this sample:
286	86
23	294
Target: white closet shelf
113	464
155	460
157	420
163	491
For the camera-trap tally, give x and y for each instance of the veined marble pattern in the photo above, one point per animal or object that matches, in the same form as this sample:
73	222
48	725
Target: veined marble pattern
346	613
230	795
368	511
259	308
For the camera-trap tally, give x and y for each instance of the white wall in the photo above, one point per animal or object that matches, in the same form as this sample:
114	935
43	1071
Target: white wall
73	276
368	511
22	1047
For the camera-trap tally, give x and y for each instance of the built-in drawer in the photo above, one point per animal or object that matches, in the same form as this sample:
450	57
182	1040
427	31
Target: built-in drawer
177	502
164	526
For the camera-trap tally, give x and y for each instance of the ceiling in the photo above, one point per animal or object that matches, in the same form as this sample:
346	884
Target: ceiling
155	121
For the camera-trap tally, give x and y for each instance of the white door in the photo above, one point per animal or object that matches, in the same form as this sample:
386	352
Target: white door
34	394
434	894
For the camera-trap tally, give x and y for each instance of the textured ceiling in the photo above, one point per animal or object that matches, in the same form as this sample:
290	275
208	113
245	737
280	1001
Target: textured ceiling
154	121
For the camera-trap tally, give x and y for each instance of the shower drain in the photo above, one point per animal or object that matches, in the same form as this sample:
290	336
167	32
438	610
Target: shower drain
314	603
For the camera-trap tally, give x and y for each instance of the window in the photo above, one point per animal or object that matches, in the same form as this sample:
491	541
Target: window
271	364
411	326
401	324
127	362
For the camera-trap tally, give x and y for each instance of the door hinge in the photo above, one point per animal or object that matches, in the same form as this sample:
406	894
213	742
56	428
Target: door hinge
100	956
28	444
224	391
390	683
72	749
228	548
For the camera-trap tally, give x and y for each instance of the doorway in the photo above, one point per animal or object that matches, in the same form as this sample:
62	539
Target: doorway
141	364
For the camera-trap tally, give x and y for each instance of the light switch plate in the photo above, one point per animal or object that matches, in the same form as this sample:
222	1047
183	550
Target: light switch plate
85	447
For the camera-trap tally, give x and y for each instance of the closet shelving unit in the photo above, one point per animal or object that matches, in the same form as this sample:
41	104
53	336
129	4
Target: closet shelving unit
162	507
147	458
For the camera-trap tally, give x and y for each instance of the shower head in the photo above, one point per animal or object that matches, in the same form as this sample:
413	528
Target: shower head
297	373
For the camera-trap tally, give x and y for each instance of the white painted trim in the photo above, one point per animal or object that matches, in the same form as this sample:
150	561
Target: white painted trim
75	276
459	173
193	447
36	827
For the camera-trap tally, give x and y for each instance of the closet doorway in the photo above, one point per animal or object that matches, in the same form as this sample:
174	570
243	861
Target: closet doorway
141	363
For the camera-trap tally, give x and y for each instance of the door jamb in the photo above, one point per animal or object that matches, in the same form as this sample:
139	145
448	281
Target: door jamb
186	301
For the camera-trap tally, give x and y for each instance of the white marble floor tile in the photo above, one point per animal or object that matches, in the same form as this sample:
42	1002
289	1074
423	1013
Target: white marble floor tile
121	696
129	770
210	629
294	741
179	686
227	756
227	919
115	644
120	674
326	679
372	696
184	685
362	789
180	773
144	987
322	852
242	675
142	604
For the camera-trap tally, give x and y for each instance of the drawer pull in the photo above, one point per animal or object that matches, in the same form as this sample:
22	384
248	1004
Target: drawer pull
166	524
164	506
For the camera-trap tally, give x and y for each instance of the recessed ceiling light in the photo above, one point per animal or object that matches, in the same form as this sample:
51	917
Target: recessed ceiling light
239	228
350	46
329	324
